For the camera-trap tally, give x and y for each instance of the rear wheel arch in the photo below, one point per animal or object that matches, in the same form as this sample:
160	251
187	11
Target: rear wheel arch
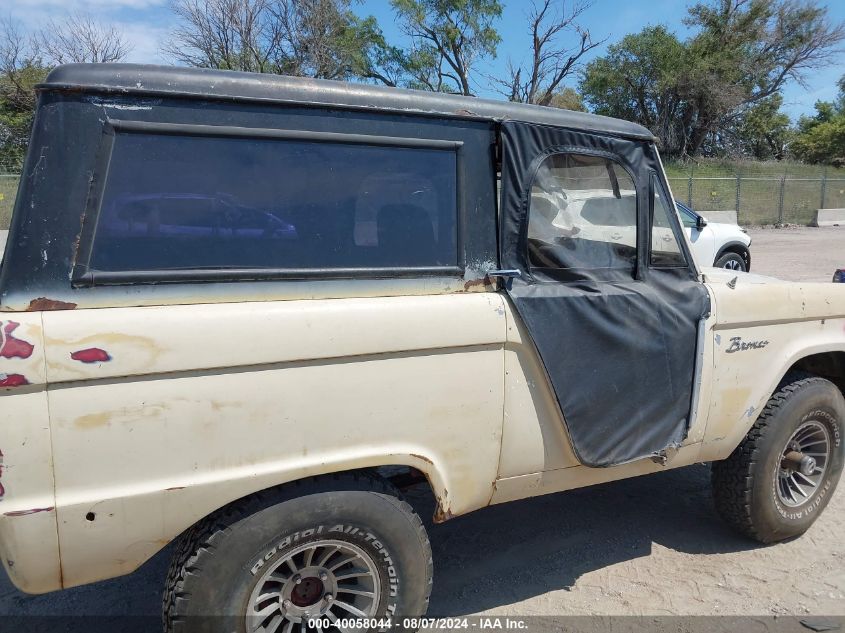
213	545
399	474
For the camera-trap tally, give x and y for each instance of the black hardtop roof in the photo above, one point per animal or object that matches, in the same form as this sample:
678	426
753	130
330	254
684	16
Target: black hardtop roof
140	80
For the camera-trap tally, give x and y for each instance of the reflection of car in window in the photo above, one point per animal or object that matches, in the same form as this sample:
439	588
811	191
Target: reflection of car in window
597	214
581	217
190	214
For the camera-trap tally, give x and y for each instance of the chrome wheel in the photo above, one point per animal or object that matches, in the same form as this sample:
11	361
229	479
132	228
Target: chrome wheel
323	579
732	264
803	464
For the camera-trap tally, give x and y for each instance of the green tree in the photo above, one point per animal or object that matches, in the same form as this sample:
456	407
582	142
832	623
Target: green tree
21	68
825	143
448	39
689	93
761	131
568	99
310	38
821	138
639	79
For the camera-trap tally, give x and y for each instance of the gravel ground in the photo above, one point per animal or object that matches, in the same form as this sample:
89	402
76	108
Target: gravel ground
798	253
646	546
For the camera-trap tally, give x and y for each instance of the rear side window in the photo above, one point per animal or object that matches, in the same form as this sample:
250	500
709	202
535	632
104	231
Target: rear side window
583	215
175	202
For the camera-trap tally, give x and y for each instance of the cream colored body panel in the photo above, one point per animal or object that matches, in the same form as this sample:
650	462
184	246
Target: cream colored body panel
542	483
534	436
28	542
796	320
189	407
203	405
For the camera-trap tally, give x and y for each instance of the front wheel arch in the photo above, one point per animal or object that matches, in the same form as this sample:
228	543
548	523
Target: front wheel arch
739	249
747	485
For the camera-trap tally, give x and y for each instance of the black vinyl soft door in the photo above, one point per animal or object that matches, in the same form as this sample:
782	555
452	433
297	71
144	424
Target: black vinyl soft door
607	295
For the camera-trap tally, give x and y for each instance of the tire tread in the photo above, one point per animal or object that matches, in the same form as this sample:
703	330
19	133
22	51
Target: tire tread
198	542
732	479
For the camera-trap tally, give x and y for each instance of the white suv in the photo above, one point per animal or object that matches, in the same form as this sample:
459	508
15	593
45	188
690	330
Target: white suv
725	245
608	216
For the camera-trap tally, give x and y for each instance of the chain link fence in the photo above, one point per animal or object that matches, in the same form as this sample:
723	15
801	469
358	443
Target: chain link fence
781	200
757	199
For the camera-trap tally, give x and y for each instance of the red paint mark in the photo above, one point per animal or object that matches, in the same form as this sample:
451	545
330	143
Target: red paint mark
11	347
91	355
13	380
20	513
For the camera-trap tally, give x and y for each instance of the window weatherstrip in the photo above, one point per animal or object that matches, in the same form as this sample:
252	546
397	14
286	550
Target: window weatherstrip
82	275
655	186
187	129
108	278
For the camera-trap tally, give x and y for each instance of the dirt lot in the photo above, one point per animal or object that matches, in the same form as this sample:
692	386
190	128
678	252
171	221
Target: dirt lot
647	546
798	254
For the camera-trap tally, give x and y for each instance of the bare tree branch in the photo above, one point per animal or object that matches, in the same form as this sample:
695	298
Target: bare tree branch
551	61
78	38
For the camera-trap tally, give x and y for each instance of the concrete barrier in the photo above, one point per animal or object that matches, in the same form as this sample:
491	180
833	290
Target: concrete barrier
829	217
720	217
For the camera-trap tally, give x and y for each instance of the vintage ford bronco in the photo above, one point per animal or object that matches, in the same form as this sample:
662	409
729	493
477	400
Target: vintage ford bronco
237	310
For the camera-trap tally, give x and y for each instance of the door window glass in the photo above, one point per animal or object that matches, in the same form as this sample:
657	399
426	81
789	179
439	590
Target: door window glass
582	215
665	250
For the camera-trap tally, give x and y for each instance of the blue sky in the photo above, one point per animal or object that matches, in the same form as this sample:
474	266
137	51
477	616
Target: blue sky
147	22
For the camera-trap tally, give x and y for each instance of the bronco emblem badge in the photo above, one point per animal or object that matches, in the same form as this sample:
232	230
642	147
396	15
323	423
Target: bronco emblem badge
738	345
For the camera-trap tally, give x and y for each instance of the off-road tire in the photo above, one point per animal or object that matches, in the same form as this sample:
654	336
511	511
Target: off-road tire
738	260
745	484
219	561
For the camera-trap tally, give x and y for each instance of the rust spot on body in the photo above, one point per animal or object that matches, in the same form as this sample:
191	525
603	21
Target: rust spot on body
13	380
44	304
423	457
443	512
12	347
91	355
20	513
442	515
477	283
